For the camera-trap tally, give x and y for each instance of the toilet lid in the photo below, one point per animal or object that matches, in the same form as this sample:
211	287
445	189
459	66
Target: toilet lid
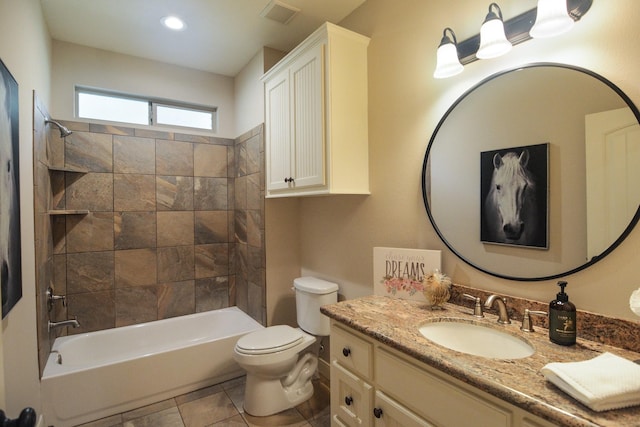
269	340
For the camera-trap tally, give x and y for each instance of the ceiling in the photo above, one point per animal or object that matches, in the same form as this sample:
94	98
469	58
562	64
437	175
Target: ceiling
221	35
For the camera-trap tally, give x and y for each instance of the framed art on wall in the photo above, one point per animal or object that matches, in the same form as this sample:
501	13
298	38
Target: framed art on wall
10	245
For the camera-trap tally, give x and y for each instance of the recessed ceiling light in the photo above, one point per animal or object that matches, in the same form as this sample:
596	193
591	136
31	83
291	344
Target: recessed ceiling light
173	23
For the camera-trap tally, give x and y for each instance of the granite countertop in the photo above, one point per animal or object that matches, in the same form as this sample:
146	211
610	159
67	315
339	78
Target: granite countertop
395	322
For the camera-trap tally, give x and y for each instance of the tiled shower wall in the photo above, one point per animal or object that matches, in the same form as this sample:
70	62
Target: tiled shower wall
174	225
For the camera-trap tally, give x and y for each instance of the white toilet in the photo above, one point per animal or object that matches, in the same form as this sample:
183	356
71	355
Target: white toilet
278	374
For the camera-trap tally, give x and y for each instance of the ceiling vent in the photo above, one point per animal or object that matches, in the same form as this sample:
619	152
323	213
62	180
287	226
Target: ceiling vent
279	11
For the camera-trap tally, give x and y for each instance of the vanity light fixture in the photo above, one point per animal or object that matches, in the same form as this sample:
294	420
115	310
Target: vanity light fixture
552	19
493	41
447	63
519	28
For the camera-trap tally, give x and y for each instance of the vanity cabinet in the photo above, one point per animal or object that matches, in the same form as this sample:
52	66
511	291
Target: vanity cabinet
316	131
373	384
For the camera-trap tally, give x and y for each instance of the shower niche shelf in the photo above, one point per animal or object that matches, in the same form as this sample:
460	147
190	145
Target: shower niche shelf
67	169
68	212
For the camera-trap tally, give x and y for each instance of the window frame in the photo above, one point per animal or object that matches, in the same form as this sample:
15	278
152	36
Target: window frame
152	105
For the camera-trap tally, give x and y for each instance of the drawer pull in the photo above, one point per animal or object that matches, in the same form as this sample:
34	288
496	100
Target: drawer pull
348	400
346	351
377	412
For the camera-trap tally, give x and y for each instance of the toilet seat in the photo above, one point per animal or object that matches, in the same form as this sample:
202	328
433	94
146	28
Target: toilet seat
269	340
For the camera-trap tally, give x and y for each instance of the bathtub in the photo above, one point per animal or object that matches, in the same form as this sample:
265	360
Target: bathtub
97	374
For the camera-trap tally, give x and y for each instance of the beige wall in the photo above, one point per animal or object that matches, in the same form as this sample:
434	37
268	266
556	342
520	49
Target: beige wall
337	233
249	96
25	49
79	65
249	92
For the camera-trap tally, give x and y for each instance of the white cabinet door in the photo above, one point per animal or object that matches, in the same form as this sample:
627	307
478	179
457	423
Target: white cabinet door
308	117
295	130
350	397
389	413
278	131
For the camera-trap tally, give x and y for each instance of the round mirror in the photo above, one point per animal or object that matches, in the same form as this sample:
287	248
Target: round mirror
532	174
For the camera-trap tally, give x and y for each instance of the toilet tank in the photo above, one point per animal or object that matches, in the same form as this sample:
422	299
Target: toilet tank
311	294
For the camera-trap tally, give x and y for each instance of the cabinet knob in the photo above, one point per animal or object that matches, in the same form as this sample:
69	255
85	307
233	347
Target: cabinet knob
289	179
346	351
377	412
348	400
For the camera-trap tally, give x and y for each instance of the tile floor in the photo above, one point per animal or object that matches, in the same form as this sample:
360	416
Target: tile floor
221	405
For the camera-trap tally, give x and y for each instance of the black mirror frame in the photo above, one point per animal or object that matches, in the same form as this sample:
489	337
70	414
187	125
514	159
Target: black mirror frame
593	260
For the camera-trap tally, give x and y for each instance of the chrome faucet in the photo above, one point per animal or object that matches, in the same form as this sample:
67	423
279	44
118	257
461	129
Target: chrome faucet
503	316
53	325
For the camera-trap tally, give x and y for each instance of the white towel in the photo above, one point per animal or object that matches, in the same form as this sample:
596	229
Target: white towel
602	383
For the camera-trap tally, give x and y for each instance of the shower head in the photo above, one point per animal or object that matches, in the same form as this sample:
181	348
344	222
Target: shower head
64	131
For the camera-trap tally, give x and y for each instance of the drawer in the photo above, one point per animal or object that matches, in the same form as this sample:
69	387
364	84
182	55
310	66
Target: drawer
351	397
435	399
336	422
353	352
389	413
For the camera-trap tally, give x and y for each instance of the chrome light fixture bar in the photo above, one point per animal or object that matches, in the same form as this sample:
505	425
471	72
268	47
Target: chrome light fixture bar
517	29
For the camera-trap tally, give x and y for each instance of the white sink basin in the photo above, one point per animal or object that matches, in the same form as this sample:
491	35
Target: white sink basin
475	339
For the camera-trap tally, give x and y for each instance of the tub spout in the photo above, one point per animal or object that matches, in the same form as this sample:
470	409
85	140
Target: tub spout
53	325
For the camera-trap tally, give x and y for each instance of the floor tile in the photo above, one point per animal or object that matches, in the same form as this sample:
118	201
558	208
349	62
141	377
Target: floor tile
319	404
288	418
149	409
165	418
207	410
222	405
113	421
236	421
236	394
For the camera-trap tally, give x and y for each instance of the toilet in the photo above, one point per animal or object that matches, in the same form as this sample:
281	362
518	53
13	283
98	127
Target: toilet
279	371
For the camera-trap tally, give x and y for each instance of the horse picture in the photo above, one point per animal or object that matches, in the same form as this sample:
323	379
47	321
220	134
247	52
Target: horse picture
514	196
10	257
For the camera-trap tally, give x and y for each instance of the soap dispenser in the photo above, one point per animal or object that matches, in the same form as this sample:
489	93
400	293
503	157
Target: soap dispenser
562	318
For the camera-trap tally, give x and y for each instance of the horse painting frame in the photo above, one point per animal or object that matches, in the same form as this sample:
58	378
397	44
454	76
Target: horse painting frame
514	208
10	239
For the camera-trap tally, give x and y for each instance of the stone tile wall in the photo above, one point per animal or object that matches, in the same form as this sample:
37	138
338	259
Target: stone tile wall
174	225
249	224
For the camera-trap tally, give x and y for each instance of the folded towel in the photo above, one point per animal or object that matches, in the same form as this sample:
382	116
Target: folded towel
602	383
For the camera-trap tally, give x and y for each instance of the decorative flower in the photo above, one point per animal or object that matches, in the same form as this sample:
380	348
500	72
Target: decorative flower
404	284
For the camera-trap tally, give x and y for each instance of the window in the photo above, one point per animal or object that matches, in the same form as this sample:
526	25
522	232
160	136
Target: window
102	105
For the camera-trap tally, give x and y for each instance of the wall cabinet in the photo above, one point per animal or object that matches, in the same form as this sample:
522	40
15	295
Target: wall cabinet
316	132
375	385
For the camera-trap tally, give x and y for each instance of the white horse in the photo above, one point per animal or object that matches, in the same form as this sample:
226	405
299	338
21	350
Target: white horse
8	198
510	206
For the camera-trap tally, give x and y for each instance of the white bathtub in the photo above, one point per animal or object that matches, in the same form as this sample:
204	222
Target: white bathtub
97	374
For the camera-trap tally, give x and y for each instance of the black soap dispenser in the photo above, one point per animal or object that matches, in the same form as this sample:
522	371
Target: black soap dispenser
562	318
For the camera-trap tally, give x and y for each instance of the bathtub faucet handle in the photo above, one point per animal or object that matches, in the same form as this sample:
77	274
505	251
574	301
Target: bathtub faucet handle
52	298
